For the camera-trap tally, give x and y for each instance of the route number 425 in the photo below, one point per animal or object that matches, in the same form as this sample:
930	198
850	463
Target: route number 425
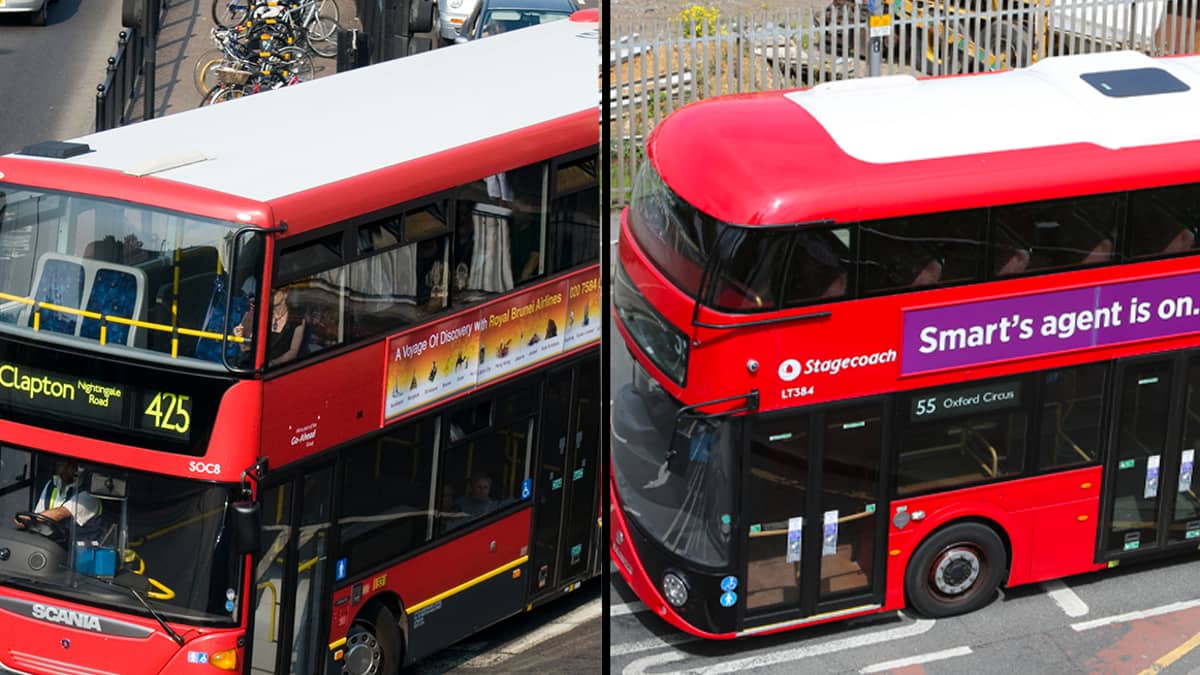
170	412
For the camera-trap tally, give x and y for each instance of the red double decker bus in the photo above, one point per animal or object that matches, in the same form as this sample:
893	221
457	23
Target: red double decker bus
878	368
308	381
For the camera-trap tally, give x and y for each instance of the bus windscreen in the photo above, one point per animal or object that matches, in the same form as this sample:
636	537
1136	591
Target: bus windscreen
120	275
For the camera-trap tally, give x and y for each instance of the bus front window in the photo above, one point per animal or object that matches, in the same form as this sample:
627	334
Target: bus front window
115	275
90	533
675	235
675	481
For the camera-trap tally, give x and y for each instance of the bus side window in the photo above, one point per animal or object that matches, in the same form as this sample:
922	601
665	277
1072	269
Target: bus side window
819	266
1072	406
1159	223
1058	234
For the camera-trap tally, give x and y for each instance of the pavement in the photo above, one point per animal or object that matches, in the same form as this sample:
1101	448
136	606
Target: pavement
184	36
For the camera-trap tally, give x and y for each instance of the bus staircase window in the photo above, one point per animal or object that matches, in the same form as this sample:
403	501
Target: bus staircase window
1064	445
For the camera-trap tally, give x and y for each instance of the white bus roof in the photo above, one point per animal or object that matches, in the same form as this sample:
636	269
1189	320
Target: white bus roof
277	143
900	118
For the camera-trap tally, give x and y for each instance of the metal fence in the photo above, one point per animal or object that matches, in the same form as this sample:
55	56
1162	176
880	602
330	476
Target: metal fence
659	67
113	96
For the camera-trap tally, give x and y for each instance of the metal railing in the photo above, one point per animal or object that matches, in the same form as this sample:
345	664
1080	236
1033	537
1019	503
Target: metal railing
114	95
659	67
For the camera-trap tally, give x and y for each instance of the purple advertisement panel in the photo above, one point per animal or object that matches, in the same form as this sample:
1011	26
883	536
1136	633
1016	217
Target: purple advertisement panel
1045	323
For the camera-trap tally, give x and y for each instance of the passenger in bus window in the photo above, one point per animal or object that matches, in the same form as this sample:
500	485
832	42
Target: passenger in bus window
287	332
478	499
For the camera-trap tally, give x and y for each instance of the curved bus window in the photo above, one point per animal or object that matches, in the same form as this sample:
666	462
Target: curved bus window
1164	221
676	236
1062	233
961	436
820	267
922	251
750	270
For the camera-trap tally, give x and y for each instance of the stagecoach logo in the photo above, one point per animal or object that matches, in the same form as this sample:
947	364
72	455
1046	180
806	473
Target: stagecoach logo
67	617
793	368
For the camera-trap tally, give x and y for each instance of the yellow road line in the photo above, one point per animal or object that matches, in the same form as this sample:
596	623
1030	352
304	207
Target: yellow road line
1173	656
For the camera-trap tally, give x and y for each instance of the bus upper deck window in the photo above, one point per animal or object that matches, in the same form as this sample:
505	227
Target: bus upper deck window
818	268
1162	221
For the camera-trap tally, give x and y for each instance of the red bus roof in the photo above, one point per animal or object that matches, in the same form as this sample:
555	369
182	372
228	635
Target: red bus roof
897	145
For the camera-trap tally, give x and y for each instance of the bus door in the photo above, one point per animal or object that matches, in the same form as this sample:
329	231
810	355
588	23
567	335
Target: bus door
566	494
1150	495
814	538
291	575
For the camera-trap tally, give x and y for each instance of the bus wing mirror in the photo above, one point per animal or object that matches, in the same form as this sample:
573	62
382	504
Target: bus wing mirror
247	527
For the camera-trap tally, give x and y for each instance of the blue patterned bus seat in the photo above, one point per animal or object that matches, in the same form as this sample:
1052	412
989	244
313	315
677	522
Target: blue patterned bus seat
60	283
113	292
209	349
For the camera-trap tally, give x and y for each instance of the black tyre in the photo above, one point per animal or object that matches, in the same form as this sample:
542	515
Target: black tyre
420	16
229	13
38	18
131	13
373	645
321	36
956	571
204	73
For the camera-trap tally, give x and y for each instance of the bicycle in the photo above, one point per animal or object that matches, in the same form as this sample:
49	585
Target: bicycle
230	13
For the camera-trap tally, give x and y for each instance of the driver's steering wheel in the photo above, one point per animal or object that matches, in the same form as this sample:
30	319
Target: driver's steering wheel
54	530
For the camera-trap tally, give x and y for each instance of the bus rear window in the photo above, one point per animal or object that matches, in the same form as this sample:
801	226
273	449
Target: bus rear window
676	236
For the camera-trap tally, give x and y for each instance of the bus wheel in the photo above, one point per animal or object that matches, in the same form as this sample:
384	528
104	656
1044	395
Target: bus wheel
373	645
955	571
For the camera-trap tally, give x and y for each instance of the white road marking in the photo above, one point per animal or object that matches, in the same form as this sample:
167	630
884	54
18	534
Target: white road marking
565	624
1072	604
655	642
917	660
918	627
627	608
1134	616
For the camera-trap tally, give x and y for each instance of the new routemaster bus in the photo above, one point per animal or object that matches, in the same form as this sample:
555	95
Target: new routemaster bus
878	368
309	381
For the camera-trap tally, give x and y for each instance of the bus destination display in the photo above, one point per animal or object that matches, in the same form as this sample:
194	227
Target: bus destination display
964	401
38	392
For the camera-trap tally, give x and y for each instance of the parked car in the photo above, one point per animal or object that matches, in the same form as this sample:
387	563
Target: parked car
452	14
491	17
37	9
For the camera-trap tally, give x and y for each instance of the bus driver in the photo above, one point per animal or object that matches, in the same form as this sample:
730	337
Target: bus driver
63	497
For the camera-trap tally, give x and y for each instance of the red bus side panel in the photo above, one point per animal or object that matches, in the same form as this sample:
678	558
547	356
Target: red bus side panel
1048	521
483	571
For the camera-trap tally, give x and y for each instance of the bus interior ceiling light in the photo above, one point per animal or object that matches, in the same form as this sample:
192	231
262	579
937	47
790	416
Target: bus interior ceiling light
56	149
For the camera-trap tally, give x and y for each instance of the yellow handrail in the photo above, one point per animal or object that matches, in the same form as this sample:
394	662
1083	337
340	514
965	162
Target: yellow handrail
270	586
38	305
